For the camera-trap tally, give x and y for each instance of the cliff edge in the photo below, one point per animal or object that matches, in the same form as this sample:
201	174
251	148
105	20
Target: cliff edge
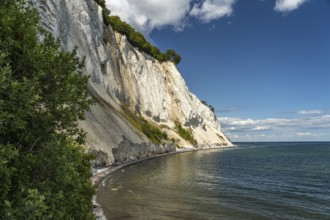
143	107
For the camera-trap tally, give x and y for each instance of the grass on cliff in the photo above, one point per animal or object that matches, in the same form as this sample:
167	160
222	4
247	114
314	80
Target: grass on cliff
185	134
152	131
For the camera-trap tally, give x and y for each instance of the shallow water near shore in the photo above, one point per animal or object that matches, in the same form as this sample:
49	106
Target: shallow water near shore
250	181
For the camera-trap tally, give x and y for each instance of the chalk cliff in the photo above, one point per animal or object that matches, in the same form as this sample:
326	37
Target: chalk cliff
129	86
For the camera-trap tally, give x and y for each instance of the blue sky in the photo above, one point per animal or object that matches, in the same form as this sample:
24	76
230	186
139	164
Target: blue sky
263	64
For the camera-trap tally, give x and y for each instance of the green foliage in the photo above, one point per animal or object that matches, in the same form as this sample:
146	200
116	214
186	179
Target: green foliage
44	171
185	134
136	38
153	132
173	56
105	11
101	3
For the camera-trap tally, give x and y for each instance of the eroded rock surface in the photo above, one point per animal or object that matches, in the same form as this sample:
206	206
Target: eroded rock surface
120	75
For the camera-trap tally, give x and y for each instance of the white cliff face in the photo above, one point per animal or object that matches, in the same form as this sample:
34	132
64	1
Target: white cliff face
120	75
160	93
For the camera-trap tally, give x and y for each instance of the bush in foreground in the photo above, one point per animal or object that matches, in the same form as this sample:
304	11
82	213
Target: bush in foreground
44	170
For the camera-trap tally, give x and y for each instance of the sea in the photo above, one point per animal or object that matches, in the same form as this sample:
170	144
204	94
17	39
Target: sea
249	181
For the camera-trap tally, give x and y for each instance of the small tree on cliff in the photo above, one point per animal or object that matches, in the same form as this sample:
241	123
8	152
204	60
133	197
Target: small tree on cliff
173	56
44	171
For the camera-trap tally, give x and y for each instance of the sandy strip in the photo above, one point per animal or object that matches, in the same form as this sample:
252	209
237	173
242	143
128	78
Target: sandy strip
106	171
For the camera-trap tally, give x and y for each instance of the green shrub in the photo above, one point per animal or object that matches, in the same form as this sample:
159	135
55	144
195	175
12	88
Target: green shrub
185	134
137	40
152	131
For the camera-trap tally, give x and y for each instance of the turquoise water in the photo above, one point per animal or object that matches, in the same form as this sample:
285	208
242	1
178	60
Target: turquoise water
250	181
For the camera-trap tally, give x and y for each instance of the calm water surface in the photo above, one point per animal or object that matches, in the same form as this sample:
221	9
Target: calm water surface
250	181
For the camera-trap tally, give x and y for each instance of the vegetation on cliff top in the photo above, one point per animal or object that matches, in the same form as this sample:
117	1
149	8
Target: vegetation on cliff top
44	170
136	38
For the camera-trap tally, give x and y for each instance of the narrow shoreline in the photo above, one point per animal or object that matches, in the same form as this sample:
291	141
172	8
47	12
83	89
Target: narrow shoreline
107	171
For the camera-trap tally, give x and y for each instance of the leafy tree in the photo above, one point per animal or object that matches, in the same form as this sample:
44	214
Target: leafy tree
173	56
44	170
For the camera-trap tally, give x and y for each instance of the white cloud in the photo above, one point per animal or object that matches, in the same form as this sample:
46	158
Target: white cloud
146	15
309	127
238	121
209	10
288	5
309	112
309	134
261	128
